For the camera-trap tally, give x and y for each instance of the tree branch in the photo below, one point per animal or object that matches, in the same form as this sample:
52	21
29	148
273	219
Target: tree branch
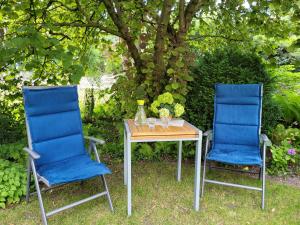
192	7
181	15
90	24
116	17
64	36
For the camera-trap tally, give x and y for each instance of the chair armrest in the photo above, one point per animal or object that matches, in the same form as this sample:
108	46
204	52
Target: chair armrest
264	139
32	153
95	140
208	134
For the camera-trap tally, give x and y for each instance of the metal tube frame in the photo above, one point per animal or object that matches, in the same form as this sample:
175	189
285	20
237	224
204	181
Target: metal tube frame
127	163
266	142
31	168
262	172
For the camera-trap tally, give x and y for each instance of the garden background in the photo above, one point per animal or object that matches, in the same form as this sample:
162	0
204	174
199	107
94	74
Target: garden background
126	50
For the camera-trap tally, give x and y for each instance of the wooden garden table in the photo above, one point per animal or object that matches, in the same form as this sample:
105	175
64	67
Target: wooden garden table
187	132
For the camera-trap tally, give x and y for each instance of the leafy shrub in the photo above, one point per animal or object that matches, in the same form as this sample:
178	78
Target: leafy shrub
14	152
285	151
289	103
12	182
284	157
109	110
287	94
11	129
229	66
281	133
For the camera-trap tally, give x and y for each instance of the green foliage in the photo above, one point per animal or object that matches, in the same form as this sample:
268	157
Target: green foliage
284	140
14	152
229	66
281	159
287	78
280	133
289	103
107	106
89	104
287	94
12	182
93	62
165	106
11	128
140	93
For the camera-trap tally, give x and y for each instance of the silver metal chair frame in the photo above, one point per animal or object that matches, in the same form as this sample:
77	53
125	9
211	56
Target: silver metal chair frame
31	168
265	141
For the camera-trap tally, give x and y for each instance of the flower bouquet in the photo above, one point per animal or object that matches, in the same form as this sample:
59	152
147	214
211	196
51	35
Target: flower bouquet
166	107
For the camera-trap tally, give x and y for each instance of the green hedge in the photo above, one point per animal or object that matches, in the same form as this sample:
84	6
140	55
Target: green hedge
11	128
229	66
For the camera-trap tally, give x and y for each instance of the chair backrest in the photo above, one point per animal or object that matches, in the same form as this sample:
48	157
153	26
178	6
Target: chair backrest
237	117
53	122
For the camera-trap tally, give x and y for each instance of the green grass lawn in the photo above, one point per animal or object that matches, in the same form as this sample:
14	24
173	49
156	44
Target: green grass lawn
159	199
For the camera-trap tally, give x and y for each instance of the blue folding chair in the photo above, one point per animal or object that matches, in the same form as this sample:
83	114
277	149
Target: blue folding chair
56	143
236	137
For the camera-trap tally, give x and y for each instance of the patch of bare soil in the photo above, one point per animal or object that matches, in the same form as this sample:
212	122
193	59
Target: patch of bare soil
288	180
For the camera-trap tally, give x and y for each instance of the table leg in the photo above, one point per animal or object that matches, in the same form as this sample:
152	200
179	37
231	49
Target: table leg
197	173
179	161
125	158
128	148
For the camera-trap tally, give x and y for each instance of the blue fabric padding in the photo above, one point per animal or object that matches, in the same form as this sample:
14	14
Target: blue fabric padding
238	90
55	130
70	121
76	168
50	100
237	101
235	134
58	149
236	126
236	154
231	114
54	122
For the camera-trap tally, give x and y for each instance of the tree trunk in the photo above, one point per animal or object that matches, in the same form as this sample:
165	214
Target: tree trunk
158	57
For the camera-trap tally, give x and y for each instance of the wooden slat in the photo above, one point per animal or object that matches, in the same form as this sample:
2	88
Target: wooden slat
164	137
159	132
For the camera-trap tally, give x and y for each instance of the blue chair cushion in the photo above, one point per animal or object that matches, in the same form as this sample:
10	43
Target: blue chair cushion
72	169
236	127
236	154
54	122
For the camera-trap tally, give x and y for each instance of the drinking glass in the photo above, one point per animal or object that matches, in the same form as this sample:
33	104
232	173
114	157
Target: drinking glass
151	123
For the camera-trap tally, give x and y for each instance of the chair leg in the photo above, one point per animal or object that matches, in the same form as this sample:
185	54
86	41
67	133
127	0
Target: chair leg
28	181
108	195
263	188
209	166
44	218
260	174
203	177
263	179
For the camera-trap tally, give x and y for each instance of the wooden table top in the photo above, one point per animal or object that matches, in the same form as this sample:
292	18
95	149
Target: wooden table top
172	132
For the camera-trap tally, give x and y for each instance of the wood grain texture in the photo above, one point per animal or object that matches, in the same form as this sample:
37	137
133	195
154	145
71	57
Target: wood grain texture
159	132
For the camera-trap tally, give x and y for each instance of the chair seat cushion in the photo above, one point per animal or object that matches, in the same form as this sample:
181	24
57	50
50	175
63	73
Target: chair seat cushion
236	154
72	169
